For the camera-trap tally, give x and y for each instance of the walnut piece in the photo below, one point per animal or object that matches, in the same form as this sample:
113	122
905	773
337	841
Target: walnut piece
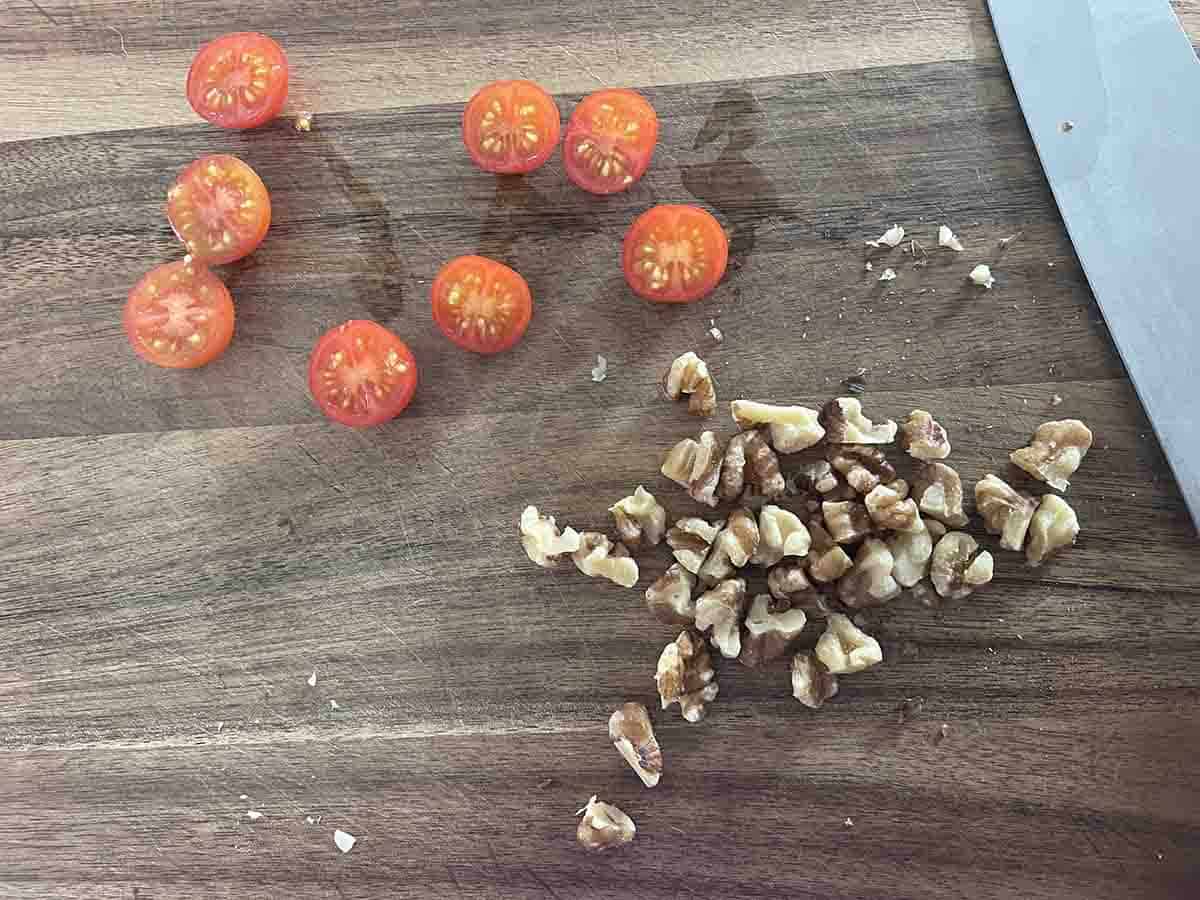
770	632
1055	452
1005	511
670	597
1054	526
870	581
685	675
958	567
900	486
812	683
845	423
845	648
632	734
911	552
848	521
543	542
722	610
641	520
937	530
816	477
603	826
691	541
598	557
826	560
789	585
938	491
863	467
923	438
749	460
689	375
793	428
696	465
781	533
733	547
891	511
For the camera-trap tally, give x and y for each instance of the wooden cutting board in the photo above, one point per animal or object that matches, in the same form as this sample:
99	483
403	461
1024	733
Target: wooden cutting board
179	551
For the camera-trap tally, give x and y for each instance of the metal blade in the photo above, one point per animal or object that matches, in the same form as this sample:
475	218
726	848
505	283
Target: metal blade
1110	90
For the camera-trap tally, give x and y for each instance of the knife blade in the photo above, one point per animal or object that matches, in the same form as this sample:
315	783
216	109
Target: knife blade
1110	90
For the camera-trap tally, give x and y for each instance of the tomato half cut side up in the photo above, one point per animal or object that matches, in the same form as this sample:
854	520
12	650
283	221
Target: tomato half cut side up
610	139
675	254
511	127
239	80
219	208
361	374
480	304
179	316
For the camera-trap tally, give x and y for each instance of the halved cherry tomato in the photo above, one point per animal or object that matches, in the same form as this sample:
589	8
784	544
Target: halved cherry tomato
361	374
239	80
674	254
480	304
179	316
219	208
511	127
610	140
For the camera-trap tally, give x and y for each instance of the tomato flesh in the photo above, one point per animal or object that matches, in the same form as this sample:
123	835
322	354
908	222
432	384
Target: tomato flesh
610	139
675	254
511	127
179	316
239	80
360	374
219	208
480	304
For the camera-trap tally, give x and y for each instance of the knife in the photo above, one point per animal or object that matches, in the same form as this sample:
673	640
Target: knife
1110	90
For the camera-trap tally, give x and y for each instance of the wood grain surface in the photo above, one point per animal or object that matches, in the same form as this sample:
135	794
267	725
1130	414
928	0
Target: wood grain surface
179	551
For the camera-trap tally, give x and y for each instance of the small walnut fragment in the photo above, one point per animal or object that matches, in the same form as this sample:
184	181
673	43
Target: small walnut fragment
889	510
1055	452
939	493
685	675
848	521
641	520
870	581
982	276
845	648
603	826
958	566
598	557
812	683
789	585
826	560
632	734
911	552
1005	511
863	467
722	610
770	631
733	547
544	544
816	477
792	428
689	375
781	533
696	466
670	597
691	541
750	462
1054	526
845	423
923	438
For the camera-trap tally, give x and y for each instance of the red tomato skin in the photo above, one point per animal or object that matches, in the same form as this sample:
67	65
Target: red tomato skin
520	287
335	336
204	57
471	128
634	239
579	130
223	303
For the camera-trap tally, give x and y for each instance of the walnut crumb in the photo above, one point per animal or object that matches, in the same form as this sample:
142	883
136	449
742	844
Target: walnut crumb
1056	451
792	428
303	121
844	647
844	423
603	826
689	375
599	557
1005	511
685	675
543	542
982	276
1054	526
696	466
890	238
670	597
641	520
632	734
771	630
722	610
948	239
812	683
923	438
958	567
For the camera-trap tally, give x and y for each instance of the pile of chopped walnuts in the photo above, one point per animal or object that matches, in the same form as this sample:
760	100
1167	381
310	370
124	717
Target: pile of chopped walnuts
840	532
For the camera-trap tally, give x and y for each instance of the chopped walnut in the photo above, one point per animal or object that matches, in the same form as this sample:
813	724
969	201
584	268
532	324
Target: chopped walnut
1005	511
749	460
632	734
770	633
982	276
958	566
863	467
870	581
670	597
816	477
938	492
923	438
911	552
641	520
891	511
689	375
732	549
900	486
781	533
937	530
603	826
598	557
812	683
826	560
1055	452
793	428
543	542
889	238
696	465
691	541
789	585
722	610
845	648
845	423
1054	526
685	675
848	521
947	238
